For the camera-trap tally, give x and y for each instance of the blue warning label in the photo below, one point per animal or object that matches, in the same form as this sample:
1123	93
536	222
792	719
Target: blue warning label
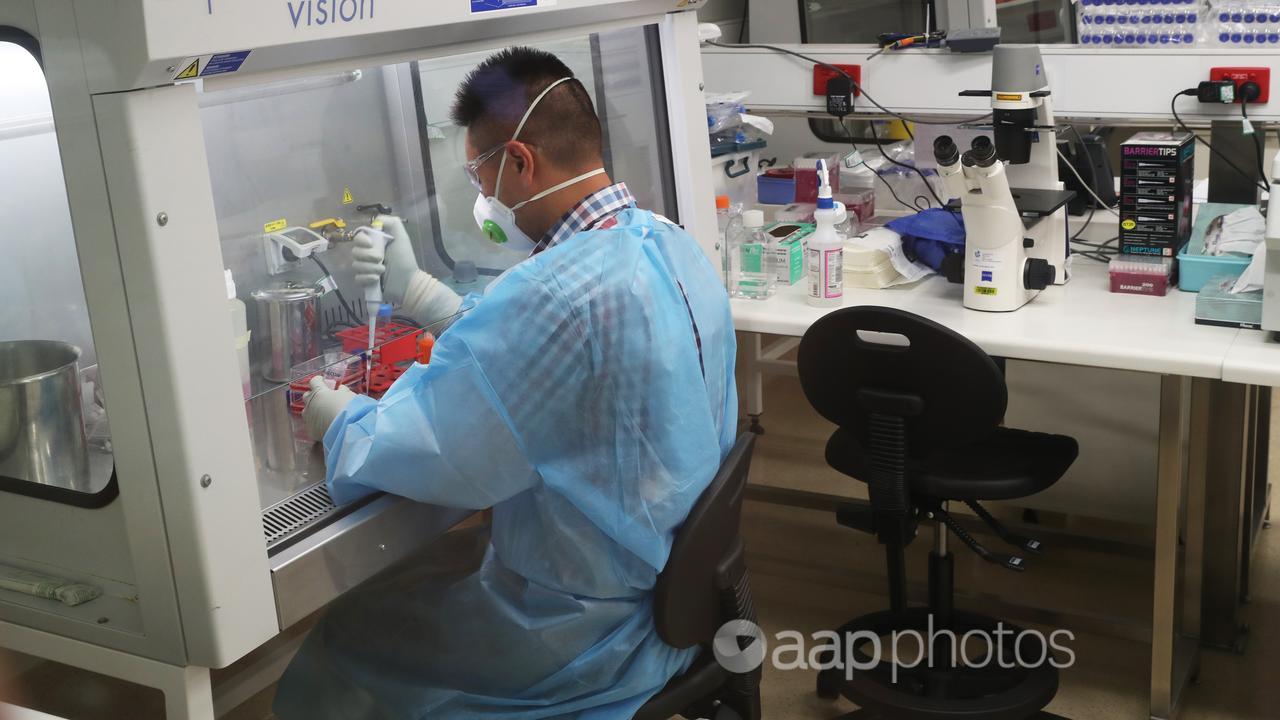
224	63
489	5
986	276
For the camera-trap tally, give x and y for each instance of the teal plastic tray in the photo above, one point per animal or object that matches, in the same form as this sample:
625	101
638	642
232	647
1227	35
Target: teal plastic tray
1194	267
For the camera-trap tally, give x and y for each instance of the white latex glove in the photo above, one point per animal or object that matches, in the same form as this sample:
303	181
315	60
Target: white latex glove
394	259
323	405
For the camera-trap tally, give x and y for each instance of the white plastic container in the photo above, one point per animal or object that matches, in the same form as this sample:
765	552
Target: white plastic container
824	258
734	175
240	334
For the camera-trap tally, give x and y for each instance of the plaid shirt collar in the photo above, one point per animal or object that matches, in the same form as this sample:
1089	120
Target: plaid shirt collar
589	212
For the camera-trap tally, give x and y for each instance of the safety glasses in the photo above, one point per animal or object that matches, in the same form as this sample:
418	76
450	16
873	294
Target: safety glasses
472	167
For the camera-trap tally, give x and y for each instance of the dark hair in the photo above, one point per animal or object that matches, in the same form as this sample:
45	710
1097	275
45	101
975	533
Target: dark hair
494	96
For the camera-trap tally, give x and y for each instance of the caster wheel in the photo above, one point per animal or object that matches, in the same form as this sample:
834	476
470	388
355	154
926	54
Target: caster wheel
755	426
829	684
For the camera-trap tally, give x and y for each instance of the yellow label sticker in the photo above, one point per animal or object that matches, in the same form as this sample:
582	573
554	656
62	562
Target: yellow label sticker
190	72
1009	97
275	226
347	199
982	290
1128	224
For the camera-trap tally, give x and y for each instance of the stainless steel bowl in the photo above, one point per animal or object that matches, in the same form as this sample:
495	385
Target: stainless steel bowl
42	436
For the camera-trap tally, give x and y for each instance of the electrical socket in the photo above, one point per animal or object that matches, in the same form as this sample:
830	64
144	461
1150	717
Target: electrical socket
277	263
821	75
1242	75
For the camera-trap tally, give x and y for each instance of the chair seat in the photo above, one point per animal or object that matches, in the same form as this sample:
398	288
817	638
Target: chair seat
1008	464
697	683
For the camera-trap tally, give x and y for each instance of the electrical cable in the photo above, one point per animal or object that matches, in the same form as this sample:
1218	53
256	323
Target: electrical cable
917	171
1257	142
1099	246
1087	220
1084	184
1101	252
857	86
887	184
1096	257
406	320
746	13
341	300
875	174
1173	109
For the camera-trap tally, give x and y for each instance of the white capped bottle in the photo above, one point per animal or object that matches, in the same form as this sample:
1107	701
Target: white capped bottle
757	278
824	257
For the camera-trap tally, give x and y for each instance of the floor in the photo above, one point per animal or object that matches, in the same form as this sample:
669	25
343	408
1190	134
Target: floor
809	574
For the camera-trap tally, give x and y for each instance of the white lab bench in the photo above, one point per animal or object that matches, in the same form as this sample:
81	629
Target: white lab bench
1254	359
1202	369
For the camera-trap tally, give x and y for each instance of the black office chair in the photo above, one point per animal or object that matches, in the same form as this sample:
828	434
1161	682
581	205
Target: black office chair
704	586
919	410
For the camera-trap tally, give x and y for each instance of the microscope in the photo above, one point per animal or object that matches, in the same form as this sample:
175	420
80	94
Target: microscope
1013	203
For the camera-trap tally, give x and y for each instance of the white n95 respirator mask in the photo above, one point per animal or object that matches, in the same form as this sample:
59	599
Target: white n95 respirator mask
496	220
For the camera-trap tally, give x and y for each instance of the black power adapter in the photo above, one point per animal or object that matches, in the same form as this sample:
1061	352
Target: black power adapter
1217	91
839	96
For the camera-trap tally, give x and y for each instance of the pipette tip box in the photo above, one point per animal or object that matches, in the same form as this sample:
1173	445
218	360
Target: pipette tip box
1141	275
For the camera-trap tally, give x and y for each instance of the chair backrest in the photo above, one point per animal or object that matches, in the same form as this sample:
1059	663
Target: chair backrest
855	354
706	559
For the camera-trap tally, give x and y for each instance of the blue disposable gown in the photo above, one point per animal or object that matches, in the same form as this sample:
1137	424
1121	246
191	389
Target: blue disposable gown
576	399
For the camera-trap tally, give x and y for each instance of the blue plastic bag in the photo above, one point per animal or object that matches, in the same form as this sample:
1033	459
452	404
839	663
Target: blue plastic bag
930	235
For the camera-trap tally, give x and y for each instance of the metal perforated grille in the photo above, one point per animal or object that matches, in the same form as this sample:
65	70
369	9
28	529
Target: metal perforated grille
285	518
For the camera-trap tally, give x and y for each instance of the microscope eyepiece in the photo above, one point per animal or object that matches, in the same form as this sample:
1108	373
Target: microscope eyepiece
982	153
945	151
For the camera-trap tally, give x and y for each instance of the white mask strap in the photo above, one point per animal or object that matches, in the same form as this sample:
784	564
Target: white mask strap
561	186
503	164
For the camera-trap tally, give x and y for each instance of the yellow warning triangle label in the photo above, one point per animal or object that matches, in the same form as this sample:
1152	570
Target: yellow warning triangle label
346	196
193	70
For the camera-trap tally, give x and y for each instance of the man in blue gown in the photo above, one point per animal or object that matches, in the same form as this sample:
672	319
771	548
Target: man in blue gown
586	396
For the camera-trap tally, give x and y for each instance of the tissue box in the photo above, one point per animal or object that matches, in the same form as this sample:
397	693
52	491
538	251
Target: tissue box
788	252
1215	305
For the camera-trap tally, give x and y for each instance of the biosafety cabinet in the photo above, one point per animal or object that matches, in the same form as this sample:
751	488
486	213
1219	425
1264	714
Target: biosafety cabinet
179	184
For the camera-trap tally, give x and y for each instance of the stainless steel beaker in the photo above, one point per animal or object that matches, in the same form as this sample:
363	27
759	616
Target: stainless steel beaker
288	329
41	422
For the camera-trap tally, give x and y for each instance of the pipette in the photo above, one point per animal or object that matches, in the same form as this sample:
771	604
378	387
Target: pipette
373	298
